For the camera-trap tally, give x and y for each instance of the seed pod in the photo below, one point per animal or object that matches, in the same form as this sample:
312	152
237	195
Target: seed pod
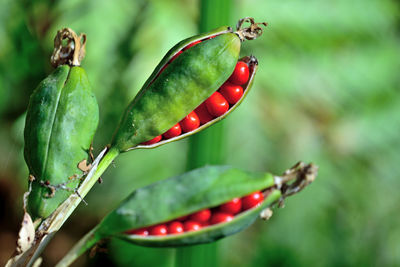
188	74
143	218
61	120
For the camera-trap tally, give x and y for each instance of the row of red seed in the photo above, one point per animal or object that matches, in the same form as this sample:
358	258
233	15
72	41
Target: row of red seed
216	105
203	218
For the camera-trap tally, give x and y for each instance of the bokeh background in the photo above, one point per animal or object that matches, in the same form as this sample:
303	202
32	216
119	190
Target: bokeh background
327	91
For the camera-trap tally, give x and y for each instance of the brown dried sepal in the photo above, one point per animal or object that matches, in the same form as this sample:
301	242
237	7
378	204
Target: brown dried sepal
249	33
70	53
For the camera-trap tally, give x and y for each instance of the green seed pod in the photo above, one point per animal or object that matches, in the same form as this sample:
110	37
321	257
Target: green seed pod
196	190
61	120
188	74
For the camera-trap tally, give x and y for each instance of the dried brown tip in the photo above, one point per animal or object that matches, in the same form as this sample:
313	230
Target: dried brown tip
249	33
296	179
71	52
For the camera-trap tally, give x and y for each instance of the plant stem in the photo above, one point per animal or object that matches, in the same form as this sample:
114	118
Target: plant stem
67	207
49	227
208	146
84	244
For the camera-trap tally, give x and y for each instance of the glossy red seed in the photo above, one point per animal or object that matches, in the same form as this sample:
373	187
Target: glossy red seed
160	229
175	227
190	122
173	132
174	57
216	104
221	217
153	141
241	74
191	226
232	207
191	45
252	200
231	92
203	113
201	216
141	231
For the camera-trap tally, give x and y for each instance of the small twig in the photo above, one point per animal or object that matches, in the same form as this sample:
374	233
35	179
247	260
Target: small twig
295	179
251	32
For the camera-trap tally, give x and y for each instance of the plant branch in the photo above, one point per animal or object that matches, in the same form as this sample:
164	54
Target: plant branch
53	223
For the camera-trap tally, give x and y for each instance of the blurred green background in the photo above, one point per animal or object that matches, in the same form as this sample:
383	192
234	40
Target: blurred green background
327	91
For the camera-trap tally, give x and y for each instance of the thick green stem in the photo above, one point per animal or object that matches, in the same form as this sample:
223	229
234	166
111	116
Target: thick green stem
206	147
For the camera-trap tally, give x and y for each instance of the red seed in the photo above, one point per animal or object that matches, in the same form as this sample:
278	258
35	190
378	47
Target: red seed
175	227
201	216
231	92
173	132
190	122
216	104
141	231
232	207
191	45
203	113
160	229
221	217
152	141
191	226
241	74
252	200
174	57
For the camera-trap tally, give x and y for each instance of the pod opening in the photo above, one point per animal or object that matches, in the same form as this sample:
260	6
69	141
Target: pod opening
215	107
204	218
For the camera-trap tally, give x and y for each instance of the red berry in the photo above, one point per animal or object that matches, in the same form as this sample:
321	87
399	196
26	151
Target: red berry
153	141
183	218
191	45
173	132
203	113
201	216
190	122
241	74
175	227
160	229
191	226
141	231
233	206
220	217
252	200
174	57
231	92
216	104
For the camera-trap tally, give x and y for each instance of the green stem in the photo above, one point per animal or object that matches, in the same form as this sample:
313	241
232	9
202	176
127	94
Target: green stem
52	224
66	208
208	146
86	242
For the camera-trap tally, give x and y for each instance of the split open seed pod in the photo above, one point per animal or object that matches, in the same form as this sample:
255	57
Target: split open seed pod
173	199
